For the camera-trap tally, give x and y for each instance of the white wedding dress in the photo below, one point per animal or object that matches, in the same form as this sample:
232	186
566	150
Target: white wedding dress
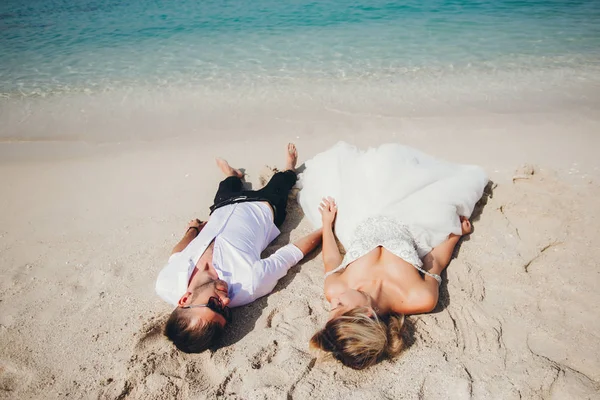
392	195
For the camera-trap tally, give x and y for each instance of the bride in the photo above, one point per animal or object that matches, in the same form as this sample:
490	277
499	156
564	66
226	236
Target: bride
399	214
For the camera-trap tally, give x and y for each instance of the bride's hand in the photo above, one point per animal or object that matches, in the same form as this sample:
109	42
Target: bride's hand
328	210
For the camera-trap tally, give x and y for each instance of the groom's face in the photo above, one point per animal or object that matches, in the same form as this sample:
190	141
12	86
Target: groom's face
202	294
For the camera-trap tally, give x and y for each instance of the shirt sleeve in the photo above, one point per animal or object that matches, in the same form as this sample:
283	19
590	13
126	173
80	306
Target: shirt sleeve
170	279
275	267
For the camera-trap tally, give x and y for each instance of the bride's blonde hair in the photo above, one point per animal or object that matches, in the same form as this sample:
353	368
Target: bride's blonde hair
358	340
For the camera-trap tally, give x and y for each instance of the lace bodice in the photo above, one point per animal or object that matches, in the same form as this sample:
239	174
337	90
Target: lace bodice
386	232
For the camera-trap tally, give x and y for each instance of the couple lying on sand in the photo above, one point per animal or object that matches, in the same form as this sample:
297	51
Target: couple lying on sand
397	212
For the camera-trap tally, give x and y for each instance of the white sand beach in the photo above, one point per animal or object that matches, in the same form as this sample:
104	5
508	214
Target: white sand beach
86	225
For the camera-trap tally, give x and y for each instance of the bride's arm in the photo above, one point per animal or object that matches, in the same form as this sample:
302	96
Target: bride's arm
423	298
439	258
331	253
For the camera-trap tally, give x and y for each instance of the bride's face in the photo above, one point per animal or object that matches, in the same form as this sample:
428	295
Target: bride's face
348	300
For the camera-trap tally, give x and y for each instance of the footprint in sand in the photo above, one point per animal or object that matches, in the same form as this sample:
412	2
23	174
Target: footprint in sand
264	356
13	378
155	370
466	277
310	381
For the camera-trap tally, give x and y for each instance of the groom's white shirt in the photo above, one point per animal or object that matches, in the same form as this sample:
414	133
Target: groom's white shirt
241	232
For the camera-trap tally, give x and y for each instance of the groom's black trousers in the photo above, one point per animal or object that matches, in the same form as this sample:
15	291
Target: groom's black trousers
275	193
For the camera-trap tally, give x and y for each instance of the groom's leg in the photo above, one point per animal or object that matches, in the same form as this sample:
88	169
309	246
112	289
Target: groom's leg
277	192
228	188
231	186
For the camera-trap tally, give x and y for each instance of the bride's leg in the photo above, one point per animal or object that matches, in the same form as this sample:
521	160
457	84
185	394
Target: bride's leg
280	185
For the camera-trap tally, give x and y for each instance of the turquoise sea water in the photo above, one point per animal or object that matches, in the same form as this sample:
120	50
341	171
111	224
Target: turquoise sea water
57	46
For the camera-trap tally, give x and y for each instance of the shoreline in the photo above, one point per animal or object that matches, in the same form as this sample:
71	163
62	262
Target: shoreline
551	123
557	138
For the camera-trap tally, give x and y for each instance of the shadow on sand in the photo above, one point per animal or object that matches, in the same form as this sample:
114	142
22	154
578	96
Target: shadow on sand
488	193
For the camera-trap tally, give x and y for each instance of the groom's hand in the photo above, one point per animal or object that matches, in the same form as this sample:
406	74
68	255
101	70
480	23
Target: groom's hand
195	226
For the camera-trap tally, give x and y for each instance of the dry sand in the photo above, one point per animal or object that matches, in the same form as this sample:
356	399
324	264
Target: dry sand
82	239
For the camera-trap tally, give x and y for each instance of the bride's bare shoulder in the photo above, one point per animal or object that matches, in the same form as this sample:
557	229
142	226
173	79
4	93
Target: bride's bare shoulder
334	285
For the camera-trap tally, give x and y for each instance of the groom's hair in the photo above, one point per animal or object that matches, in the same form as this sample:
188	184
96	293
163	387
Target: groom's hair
188	337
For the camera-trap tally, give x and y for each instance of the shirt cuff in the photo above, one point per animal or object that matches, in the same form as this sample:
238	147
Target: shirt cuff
295	252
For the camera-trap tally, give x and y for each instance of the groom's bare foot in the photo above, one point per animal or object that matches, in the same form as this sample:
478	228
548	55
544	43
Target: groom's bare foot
292	157
227	169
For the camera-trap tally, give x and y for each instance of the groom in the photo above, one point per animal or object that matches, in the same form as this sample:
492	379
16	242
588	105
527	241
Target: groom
217	263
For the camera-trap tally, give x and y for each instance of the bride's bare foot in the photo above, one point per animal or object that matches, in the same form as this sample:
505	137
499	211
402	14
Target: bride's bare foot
292	157
465	225
227	169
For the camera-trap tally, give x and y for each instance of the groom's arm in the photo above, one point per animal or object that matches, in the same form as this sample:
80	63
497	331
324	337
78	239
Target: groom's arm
194	228
276	266
309	242
190	235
